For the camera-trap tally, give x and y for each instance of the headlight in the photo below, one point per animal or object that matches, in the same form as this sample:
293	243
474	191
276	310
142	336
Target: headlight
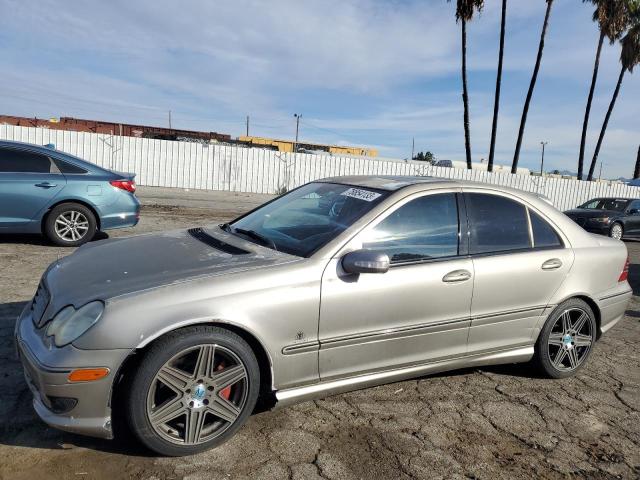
601	219
69	323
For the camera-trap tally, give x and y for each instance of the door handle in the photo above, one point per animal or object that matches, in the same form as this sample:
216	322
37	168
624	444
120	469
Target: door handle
457	276
552	264
46	185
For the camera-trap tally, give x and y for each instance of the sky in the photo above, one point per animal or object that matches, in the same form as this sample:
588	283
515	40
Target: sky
375	73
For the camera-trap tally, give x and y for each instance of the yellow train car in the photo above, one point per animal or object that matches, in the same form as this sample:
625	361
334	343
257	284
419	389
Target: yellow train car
288	145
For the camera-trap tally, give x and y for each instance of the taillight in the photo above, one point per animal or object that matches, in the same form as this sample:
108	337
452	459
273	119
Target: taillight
128	185
625	272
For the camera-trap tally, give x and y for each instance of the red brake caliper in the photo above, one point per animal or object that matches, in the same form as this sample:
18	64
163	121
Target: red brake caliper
225	392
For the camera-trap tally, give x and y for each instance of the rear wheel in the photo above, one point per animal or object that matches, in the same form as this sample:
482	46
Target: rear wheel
193	390
70	225
566	340
616	231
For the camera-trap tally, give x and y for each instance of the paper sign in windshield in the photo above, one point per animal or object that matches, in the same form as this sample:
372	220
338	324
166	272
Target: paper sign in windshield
360	194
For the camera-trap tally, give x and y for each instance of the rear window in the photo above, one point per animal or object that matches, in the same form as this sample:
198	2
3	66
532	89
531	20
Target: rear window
20	161
544	236
496	224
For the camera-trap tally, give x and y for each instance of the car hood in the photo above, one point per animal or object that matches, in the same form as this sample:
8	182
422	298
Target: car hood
109	268
591	213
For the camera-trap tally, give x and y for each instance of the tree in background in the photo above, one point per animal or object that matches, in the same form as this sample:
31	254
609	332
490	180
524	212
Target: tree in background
629	58
636	171
532	84
464	13
612	19
496	103
425	157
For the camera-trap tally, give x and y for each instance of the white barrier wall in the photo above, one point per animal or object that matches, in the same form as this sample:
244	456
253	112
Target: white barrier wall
166	163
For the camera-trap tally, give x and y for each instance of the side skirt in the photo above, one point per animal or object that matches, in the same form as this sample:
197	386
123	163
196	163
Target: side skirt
291	396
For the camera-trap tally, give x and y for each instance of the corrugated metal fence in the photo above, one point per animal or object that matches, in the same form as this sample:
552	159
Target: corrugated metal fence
165	163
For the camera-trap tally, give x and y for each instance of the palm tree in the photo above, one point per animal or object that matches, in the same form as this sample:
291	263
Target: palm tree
534	78
629	58
611	17
496	104
464	13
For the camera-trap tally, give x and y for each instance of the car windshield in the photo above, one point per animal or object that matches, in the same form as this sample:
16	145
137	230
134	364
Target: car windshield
306	219
617	204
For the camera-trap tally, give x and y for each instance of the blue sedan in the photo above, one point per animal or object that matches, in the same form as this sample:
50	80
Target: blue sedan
67	199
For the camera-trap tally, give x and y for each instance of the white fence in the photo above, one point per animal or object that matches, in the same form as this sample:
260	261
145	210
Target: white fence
165	163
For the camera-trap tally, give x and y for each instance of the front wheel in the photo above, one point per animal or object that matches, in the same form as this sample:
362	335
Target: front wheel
193	390
616	231
566	340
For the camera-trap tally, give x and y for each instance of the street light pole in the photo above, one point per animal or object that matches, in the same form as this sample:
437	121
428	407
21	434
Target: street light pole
600	174
542	159
295	145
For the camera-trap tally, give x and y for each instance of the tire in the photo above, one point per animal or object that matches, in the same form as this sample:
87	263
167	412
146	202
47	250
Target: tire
161	414
615	228
560	352
70	225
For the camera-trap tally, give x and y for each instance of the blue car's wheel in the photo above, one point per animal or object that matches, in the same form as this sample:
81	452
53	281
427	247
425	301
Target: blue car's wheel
70	225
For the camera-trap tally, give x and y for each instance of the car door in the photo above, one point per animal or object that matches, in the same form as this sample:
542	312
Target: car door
415	312
28	183
519	260
632	219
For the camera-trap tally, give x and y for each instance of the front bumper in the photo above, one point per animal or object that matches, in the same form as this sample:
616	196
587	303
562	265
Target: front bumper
46	368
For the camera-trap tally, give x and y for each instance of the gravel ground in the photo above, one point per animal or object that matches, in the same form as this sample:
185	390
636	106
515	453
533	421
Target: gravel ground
498	422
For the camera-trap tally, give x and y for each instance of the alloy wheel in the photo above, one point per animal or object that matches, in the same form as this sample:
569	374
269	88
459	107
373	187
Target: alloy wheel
197	395
570	339
71	225
616	231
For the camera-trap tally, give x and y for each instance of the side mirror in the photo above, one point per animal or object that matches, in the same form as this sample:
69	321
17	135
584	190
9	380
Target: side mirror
634	211
365	261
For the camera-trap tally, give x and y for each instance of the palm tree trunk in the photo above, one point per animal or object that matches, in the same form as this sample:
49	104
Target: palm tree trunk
585	122
594	160
496	104
636	171
465	95
534	78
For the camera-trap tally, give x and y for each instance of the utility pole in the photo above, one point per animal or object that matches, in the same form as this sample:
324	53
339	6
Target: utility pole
297	117
413	147
247	125
169	118
600	174
542	159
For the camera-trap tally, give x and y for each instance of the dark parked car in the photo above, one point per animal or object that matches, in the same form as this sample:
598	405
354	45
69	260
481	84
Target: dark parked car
46	191
615	217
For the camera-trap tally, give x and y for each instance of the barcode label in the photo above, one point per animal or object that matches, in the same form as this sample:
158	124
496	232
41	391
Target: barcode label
360	194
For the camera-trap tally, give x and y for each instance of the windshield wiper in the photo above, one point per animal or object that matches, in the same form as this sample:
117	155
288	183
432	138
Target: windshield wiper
257	236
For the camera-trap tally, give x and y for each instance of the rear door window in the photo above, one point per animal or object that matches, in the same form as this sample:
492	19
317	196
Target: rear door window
66	167
496	224
21	161
544	236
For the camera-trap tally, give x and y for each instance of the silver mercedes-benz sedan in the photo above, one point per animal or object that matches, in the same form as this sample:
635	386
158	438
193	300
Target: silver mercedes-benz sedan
340	284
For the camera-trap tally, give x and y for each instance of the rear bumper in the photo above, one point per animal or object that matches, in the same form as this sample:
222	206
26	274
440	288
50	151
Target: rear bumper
613	307
125	212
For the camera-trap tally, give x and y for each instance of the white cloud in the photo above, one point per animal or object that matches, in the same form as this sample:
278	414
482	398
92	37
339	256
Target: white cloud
395	63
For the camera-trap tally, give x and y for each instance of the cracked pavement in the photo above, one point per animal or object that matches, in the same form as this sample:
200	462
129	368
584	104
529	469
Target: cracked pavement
493	422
